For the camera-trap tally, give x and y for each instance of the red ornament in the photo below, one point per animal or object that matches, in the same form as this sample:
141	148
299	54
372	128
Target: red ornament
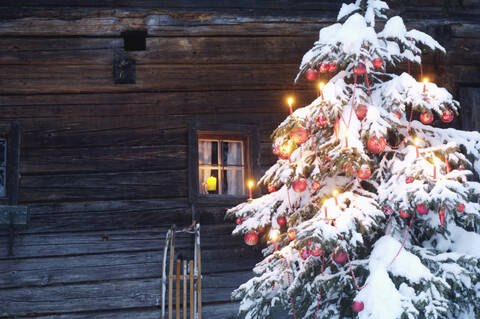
377	63
260	229
387	210
323	67
299	185
357	306
291	234
311	74
281	220
360	69
441	215
275	149
421	209
426	117
299	135
332	67
409	179
316	251
361	111
447	116
322	120
251	238
364	172
348	169
284	156
340	257
271	188
239	220
460	208
404	214
304	253
376	145
397	114
316	186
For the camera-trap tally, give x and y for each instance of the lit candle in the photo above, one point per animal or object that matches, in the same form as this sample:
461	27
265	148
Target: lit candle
425	81
416	141
250	186
346	141
274	235
321	85
212	184
335	194
447	164
434	171
337	128
325	208
290	103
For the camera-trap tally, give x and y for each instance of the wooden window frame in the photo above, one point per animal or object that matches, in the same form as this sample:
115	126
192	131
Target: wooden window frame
11	132
244	132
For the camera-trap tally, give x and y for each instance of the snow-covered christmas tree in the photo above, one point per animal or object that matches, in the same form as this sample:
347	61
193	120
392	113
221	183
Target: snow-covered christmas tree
371	213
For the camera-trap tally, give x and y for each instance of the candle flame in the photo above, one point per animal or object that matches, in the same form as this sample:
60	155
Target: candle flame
290	101
321	85
250	184
416	141
335	192
425	80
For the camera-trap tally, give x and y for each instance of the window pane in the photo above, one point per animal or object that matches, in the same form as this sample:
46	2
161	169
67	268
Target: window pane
233	182
3	179
232	153
207	152
3	153
203	175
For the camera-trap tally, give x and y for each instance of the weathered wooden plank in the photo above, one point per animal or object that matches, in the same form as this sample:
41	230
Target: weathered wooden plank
28	79
121	294
104	159
104	186
160	50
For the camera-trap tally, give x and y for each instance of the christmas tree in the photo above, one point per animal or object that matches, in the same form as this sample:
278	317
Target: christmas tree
370	212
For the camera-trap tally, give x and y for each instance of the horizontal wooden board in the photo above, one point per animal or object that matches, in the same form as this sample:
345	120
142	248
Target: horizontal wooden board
160	50
104	159
28	79
103	186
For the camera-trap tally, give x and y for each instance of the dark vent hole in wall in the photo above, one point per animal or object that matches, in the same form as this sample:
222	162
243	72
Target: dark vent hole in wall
134	40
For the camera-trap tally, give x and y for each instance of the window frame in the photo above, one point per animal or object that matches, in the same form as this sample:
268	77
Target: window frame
249	136
11	132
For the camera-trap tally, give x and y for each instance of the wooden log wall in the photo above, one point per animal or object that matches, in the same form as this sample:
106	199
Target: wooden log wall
104	165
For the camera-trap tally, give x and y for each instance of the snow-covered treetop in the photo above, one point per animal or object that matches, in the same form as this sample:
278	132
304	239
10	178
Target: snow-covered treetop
356	40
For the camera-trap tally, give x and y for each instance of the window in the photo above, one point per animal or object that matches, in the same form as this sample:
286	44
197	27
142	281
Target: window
221	160
221	164
3	167
10	140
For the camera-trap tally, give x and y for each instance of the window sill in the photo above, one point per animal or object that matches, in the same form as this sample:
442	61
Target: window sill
219	200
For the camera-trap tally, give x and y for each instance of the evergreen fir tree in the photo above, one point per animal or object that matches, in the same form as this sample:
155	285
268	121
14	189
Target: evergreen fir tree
381	210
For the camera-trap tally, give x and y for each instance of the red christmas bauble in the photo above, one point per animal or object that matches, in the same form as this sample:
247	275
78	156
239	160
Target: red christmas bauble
357	306
426	117
271	188
460	208
304	253
291	234
322	120
260	229
316	186
377	63
364	172
299	185
397	114
409	179
340	257
275	149
360	69
348	169
376	145
441	215
404	214
387	210
299	135
316	251
447	116
332	67
421	209
323	68
239	220
281	220
311	74
284	156
361	111
251	238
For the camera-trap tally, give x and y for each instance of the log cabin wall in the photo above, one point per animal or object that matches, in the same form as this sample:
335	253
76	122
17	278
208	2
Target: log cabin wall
104	166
